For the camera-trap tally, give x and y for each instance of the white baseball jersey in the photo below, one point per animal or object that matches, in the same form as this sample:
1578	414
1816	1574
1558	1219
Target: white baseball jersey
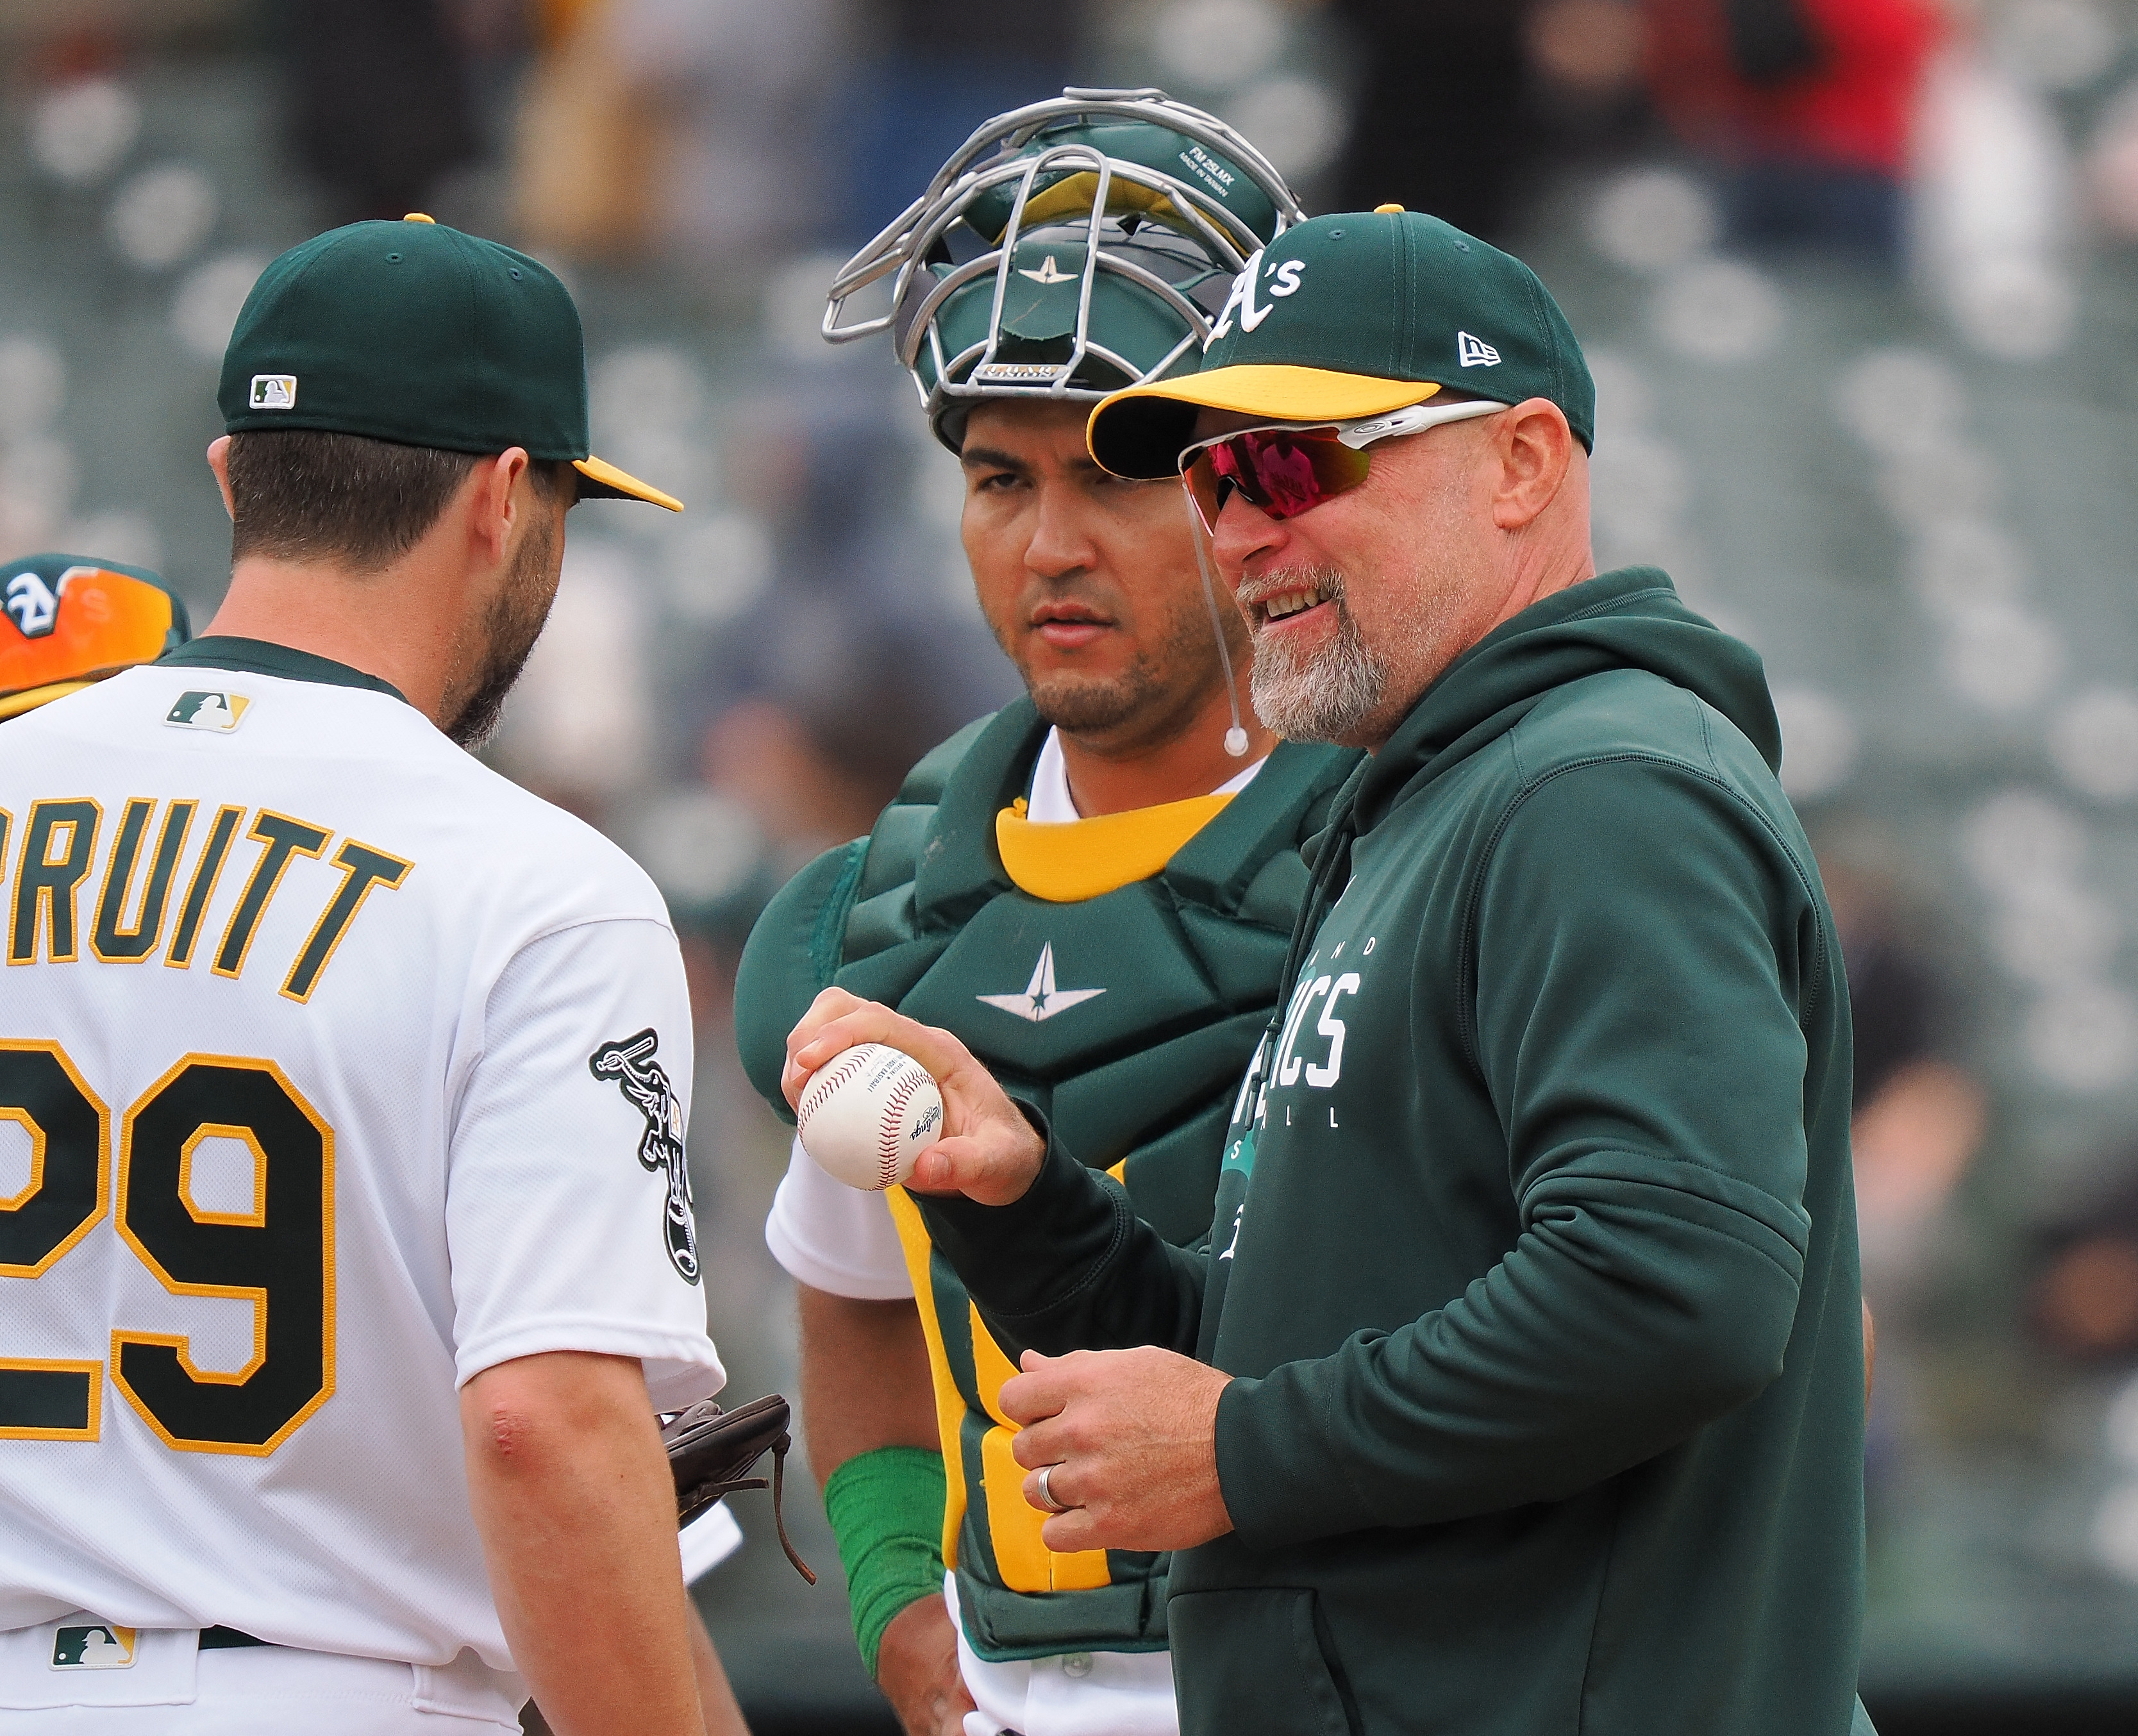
333	1070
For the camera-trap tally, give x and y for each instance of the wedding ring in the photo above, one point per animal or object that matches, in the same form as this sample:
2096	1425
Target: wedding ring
1047	1499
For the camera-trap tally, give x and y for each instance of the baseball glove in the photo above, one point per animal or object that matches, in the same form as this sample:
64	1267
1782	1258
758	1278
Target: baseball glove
711	1452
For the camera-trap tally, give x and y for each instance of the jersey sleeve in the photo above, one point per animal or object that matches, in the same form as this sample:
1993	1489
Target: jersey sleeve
568	1210
835	1238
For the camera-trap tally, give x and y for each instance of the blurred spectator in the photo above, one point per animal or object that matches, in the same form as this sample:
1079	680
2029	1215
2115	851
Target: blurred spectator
806	713
686	123
380	100
1992	219
1593	46
1805	107
2085	1292
931	71
787	766
851	690
745	86
1438	125
589	146
1918	1116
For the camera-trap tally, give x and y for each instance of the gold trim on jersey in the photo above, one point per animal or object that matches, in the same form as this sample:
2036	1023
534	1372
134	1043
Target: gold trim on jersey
109	938
38	1138
363	867
200	890
254	1215
93	1413
1022	1556
283	837
93	1421
14	704
950	1402
36	1185
1014	1523
1067	862
47	889
180	1343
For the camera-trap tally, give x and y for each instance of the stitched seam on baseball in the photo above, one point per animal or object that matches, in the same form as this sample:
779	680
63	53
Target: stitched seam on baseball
886	1138
840	1071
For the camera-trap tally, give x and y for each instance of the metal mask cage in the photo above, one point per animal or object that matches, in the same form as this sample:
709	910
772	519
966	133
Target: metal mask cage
914	247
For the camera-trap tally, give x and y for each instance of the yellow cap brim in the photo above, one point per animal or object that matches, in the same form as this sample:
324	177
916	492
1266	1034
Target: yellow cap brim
13	704
609	483
1139	433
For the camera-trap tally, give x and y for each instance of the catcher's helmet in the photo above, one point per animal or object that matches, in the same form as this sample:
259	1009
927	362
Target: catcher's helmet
67	619
1068	249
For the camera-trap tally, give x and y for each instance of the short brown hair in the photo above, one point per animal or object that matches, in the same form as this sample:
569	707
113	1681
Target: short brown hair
306	494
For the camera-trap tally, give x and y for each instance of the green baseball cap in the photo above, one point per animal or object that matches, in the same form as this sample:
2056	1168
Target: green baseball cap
415	333
1354	315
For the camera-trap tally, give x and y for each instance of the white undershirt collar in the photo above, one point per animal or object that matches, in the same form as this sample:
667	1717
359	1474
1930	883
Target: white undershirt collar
1050	803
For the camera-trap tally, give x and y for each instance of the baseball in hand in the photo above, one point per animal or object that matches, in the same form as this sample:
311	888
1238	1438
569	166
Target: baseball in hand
867	1113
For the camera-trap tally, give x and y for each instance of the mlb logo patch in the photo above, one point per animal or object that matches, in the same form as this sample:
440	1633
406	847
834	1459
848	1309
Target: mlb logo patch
273	391
97	1646
217	711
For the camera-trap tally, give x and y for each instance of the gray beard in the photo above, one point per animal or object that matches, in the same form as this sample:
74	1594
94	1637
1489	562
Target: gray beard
1324	697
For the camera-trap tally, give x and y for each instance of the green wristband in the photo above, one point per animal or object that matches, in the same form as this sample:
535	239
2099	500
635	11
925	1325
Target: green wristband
886	1510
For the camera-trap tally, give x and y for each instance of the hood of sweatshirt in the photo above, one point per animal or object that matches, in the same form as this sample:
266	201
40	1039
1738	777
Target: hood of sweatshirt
1630	619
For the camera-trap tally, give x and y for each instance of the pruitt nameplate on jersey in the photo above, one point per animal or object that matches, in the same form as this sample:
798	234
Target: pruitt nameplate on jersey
221	712
95	1646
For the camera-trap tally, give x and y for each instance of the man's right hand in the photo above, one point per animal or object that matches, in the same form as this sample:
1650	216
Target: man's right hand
989	1153
916	1666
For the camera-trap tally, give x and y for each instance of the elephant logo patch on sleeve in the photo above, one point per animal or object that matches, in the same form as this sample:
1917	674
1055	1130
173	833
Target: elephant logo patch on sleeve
630	1063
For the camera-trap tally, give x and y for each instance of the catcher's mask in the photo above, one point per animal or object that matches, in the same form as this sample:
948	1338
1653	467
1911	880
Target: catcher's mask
1068	249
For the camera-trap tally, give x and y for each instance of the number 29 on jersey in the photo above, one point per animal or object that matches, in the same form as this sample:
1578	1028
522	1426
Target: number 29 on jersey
278	1255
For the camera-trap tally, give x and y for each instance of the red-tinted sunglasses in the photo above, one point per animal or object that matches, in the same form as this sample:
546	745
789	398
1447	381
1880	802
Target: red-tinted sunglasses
1285	471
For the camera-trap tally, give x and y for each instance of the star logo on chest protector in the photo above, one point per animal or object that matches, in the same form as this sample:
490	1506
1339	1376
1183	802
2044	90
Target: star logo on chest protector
1041	999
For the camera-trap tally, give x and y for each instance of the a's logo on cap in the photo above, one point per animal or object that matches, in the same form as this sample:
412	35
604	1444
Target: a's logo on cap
273	391
34	604
1475	352
1282	277
217	711
1049	272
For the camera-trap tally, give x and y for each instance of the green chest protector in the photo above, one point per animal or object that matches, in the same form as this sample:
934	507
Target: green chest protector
1127	1017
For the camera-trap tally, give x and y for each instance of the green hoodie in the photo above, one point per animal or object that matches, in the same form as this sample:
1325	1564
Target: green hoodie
1535	1248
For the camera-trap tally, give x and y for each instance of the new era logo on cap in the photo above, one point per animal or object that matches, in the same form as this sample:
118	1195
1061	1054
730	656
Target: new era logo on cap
273	391
1354	315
